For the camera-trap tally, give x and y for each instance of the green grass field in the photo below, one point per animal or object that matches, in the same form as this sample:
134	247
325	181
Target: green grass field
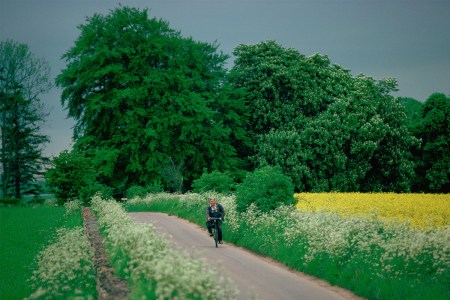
24	231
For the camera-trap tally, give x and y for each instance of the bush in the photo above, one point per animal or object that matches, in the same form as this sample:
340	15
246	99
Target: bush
10	201
155	188
267	187
214	181
88	192
36	200
136	191
139	191
71	173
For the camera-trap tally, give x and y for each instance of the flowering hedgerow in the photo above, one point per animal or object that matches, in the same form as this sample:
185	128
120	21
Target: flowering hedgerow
152	265
229	202
395	250
196	200
65	268
390	250
73	206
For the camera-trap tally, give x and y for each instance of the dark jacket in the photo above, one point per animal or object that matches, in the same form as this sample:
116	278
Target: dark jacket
219	213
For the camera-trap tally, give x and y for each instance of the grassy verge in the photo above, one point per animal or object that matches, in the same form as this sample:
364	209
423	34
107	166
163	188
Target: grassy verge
24	231
372	259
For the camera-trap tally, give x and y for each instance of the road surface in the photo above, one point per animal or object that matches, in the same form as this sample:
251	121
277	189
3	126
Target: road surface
256	277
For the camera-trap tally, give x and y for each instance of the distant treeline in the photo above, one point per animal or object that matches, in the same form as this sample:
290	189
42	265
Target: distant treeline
157	110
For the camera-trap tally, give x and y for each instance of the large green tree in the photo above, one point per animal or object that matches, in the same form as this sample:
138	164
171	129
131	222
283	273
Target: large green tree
23	78
327	129
285	88
150	102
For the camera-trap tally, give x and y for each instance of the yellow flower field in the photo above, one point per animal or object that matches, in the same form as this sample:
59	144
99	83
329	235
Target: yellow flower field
420	210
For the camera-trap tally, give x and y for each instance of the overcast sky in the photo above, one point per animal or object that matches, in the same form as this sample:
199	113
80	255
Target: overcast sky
405	39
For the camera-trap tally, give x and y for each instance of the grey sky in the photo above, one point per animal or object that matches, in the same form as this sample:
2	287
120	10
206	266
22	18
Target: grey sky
407	40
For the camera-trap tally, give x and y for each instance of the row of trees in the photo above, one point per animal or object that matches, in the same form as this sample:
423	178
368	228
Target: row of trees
154	108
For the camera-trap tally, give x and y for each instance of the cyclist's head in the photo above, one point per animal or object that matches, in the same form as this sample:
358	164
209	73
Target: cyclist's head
212	201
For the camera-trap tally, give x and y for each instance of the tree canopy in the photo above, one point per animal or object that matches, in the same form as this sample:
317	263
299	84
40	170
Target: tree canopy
156	109
149	102
327	129
284	88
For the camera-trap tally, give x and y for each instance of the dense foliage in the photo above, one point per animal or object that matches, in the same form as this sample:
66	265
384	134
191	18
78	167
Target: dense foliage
70	173
140	191
154	108
413	110
214	181
433	154
328	131
429	122
267	188
23	78
154	101
74	176
285	88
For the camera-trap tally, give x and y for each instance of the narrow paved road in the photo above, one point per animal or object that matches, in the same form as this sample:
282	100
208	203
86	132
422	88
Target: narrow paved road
255	277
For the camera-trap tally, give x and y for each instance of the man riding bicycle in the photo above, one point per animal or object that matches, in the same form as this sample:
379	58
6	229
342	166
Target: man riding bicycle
215	210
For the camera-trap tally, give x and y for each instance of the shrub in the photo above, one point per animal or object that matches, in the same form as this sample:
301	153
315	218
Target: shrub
136	191
139	191
10	201
87	192
267	187
156	187
70	173
214	181
36	200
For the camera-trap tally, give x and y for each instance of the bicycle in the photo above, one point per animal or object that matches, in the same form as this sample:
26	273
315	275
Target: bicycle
215	230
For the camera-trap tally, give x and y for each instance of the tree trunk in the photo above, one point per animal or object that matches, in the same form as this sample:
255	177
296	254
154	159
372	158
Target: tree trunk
5	171
17	183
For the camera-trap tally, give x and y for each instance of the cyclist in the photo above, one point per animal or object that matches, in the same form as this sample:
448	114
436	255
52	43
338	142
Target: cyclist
215	210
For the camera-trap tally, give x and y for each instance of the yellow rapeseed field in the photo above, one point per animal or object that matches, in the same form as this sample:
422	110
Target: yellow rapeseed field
421	210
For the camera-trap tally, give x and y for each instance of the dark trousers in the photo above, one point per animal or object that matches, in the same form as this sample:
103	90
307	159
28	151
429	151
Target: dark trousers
210	224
